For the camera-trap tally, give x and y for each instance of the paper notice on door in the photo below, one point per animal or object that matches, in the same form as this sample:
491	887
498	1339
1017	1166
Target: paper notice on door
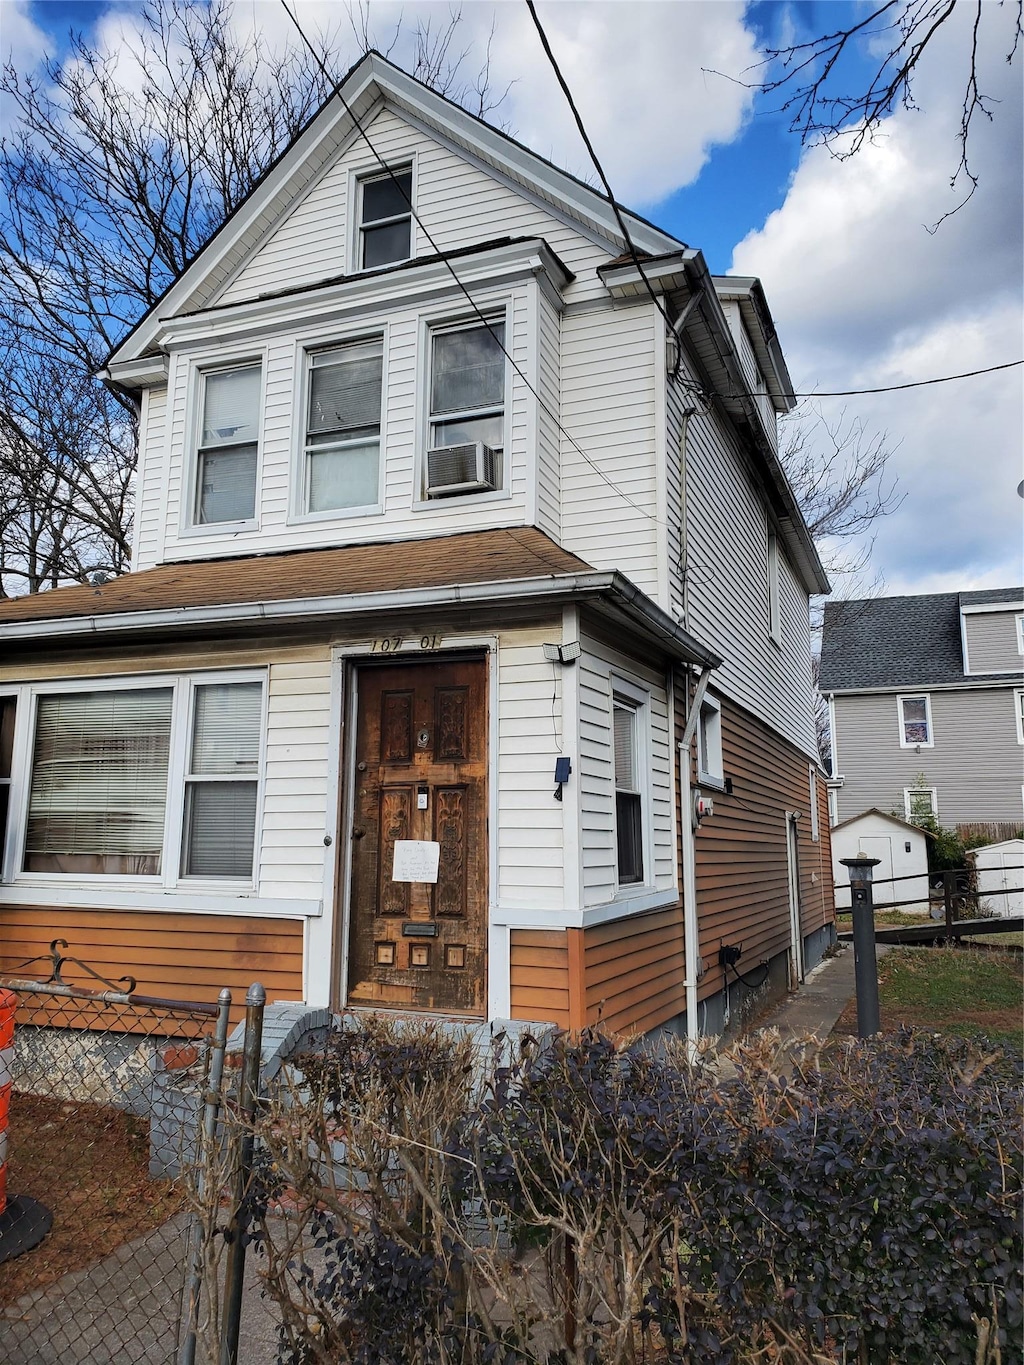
416	860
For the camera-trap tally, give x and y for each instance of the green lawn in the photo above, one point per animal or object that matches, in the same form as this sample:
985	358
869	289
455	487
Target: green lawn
954	990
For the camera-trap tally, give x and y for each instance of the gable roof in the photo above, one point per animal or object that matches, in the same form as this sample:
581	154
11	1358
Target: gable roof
371	80
897	642
884	815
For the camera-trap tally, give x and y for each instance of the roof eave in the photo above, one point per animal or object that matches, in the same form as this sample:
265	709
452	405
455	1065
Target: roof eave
612	589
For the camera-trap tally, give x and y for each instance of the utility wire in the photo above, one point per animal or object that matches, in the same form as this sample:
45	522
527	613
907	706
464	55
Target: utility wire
335	86
894	388
658	303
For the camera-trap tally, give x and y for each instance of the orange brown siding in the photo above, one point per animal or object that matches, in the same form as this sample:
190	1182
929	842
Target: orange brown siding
634	971
180	956
540	976
742	872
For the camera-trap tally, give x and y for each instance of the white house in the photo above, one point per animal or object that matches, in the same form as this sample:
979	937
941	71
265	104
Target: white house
456	575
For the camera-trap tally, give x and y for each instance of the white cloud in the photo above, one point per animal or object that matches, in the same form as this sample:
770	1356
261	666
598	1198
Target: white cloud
865	296
22	45
634	67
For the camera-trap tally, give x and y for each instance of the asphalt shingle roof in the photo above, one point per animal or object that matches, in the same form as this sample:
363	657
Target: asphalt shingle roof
898	641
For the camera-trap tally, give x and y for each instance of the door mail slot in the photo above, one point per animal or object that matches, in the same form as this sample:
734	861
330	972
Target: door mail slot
419	929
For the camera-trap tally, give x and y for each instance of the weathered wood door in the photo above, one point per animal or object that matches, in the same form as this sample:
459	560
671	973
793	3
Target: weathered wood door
420	773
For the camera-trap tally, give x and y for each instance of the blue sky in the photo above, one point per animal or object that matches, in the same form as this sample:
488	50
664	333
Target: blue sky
862	293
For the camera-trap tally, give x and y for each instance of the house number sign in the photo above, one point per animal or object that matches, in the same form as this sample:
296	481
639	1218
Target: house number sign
396	644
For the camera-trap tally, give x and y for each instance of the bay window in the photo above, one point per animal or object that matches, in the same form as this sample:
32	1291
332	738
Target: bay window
149	780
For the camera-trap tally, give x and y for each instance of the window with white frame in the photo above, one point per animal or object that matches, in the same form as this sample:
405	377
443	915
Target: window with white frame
710	766
920	803
228	445
1020	634
113	768
385	218
222	779
629	814
466	436
774	608
343	412
1018	711
915	717
7	714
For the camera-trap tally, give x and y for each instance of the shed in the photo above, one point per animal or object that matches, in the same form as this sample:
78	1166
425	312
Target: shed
902	852
1000	877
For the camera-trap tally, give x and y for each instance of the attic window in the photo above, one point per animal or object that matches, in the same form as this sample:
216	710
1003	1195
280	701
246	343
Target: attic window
385	219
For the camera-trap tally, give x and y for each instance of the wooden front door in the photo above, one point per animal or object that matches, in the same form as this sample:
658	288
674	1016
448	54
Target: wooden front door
421	774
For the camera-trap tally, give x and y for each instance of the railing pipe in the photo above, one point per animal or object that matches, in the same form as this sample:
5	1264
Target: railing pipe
238	1226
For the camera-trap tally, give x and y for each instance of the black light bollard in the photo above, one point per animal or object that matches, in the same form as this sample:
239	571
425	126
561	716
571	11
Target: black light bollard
865	962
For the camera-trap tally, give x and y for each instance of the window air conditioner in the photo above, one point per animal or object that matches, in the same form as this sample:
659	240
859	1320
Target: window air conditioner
470	468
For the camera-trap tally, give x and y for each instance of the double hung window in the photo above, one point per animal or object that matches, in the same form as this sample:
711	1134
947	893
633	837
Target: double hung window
628	797
342	447
774	605
385	219
7	710
915	714
228	445
118	771
467	386
222	780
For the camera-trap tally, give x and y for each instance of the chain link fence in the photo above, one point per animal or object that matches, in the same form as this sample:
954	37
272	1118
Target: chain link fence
99	1240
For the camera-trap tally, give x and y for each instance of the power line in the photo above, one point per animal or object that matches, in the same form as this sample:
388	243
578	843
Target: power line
658	303
894	388
407	197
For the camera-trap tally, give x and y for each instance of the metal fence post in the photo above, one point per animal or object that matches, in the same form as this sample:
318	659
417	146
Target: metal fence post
205	1141
238	1226
865	962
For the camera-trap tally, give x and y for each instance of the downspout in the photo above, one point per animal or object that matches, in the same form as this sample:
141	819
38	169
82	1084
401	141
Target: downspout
691	936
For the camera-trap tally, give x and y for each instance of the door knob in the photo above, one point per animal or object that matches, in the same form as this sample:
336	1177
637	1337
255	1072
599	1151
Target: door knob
358	833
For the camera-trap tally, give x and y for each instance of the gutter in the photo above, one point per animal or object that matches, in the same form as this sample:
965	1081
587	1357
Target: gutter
619	593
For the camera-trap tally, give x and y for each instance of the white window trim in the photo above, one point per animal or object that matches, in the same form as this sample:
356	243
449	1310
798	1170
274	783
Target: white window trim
501	311
812	790
905	743
625	692
358	175
299	514
170	878
188	526
1018	712
708	774
1020	634
917	791
774	588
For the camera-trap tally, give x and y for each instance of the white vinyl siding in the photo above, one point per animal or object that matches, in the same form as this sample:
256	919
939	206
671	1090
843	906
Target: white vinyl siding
308	244
601	671
609	492
727	585
530	820
151	471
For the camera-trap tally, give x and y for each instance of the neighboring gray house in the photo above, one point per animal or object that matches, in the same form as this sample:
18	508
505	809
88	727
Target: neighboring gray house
926	698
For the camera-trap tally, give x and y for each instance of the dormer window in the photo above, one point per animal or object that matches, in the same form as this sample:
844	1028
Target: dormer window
385	219
228	446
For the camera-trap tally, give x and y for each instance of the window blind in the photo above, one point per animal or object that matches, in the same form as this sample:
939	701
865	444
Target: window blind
624	724
345	393
99	781
231	406
226	727
220	815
